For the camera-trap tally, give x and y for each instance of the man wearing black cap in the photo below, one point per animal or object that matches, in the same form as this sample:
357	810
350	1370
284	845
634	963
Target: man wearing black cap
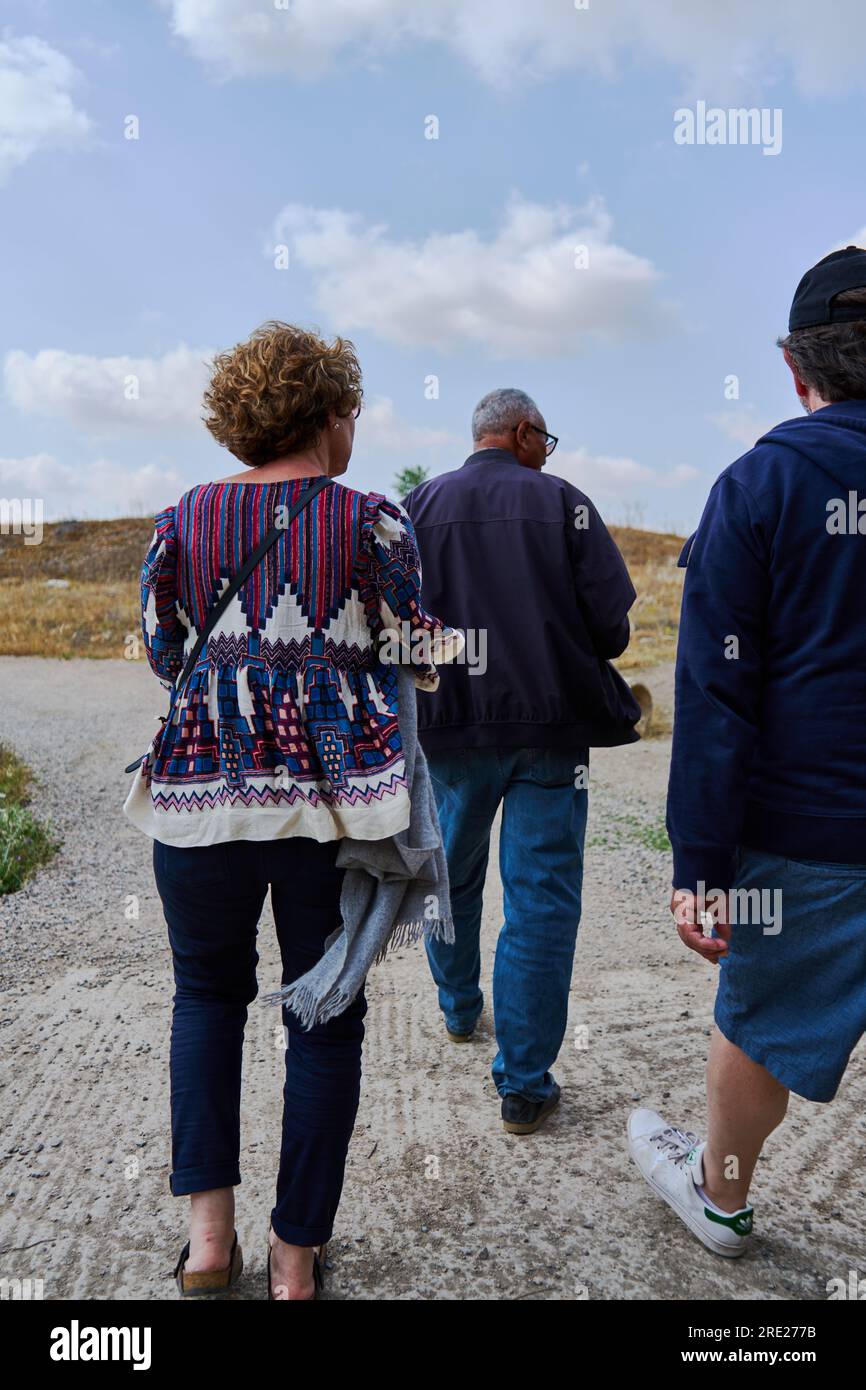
767	795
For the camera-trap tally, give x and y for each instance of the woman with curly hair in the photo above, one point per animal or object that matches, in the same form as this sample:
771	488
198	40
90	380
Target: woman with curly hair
281	742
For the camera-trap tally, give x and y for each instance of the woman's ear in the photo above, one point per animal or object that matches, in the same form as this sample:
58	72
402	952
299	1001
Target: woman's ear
337	438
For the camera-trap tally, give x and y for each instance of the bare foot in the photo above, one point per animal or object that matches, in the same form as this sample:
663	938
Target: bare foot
291	1269
211	1230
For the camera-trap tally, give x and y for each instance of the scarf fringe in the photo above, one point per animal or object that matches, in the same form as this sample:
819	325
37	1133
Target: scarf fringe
407	933
311	1008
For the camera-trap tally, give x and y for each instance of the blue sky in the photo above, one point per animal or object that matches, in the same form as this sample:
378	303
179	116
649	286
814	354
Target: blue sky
130	260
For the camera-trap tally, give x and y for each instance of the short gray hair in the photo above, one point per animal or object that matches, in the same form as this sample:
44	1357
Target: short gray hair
500	410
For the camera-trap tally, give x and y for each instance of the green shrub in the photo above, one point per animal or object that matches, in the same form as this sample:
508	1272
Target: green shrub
25	842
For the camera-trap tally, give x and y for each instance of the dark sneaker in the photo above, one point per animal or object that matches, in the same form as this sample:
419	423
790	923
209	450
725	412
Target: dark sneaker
522	1116
459	1037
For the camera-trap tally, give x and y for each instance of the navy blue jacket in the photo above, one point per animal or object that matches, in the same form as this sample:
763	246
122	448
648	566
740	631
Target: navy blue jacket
769	747
505	551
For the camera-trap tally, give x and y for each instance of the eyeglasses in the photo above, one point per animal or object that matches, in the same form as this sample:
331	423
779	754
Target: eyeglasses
357	412
550	440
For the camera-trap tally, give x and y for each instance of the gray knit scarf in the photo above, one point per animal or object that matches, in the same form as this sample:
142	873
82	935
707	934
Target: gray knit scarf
394	891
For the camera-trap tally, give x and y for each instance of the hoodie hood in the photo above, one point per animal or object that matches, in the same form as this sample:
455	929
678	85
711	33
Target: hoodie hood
832	438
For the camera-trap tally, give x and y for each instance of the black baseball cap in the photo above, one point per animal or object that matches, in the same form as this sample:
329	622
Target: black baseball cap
836	273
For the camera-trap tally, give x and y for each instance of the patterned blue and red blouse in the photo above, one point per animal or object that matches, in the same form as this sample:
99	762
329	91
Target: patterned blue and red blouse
288	723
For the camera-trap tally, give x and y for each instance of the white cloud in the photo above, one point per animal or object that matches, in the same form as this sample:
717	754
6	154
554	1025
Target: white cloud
610	478
517	293
717	50
680	473
744	424
101	488
381	428
37	111
858	239
104	395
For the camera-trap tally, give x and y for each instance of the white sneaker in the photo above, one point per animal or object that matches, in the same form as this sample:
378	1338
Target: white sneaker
671	1160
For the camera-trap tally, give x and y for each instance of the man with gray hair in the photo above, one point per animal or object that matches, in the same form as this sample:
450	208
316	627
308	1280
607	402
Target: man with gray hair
523	563
497	413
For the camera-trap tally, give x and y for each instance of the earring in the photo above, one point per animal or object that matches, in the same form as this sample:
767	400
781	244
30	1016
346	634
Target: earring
336	424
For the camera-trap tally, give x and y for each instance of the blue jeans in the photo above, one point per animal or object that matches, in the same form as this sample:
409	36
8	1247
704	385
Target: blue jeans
541	865
212	897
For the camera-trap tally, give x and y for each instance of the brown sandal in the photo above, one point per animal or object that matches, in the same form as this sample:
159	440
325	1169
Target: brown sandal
319	1264
211	1282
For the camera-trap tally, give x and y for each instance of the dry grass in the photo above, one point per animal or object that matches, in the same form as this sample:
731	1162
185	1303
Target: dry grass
89	551
98	564
83	620
651	557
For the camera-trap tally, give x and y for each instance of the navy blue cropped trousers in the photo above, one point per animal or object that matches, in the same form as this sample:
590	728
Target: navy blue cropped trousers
212	897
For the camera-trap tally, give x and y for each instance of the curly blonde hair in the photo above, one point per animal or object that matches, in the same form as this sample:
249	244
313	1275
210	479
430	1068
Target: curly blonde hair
272	394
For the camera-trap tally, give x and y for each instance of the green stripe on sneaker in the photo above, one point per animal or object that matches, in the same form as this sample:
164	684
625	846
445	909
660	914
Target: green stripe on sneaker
740	1221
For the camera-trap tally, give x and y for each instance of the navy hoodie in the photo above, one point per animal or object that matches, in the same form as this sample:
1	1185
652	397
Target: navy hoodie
524	557
769	746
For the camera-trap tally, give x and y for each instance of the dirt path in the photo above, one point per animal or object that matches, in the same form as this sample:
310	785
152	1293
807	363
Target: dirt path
439	1202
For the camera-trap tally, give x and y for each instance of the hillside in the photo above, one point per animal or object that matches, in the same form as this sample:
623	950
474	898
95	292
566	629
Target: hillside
76	594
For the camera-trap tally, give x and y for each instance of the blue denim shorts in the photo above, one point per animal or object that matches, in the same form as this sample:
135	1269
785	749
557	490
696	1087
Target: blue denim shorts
792	987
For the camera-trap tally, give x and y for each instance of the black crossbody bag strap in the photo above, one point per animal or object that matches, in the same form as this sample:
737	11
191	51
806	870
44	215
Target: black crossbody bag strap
226	597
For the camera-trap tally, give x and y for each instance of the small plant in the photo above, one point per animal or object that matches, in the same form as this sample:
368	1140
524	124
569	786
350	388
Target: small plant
620	830
654	835
25	842
14	779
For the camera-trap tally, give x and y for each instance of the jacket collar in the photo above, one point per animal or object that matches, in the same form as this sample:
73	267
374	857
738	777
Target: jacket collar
492	456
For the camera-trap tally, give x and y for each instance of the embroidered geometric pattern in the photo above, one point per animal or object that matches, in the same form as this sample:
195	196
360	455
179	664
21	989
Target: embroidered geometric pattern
264	796
289	709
